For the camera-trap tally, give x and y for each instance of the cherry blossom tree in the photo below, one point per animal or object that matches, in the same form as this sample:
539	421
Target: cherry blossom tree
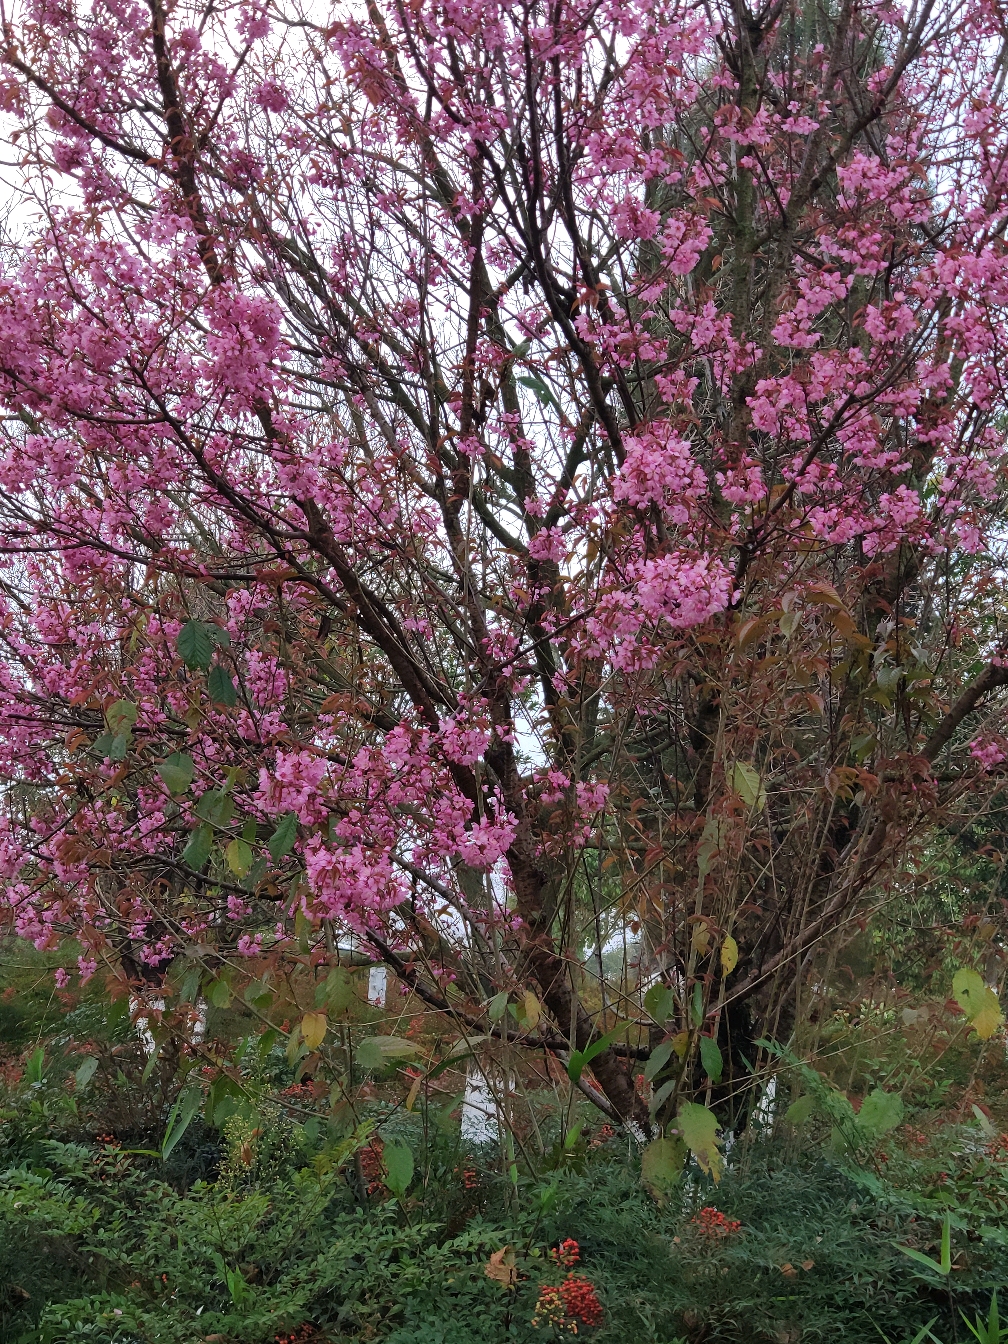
512	481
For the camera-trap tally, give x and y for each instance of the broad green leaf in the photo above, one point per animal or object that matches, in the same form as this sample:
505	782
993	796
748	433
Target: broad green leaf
177	771
102	745
86	1072
121	717
799	1111
397	1159
659	1002
697	1004
729	955
118	748
661	1167
968	988
374	1052
239	857
659	1058
746	782
313	1029
698	1129
195	646
880	1112
216	807
710	1058
498	1006
340	991
281	842
984	1123
197	851
221	687
219	994
661	1097
259	995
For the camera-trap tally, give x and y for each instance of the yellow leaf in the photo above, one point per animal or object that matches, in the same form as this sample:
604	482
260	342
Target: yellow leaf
729	955
532	1010
412	1094
239	857
700	938
680	1043
746	782
313	1029
989	1018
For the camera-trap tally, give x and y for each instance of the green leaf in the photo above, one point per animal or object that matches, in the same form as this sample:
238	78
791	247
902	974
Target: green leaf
659	1002
661	1097
697	1005
374	1052
219	993
799	1111
102	745
982	1120
216	807
221	687
339	991
197	851
578	1059
498	1006
661	1167
710	844
195	646
698	1129
659	1058
239	857
121	717
398	1162
943	1266
177	771
179	1119
968	988
710	1058
259	995
746	782
117	751
86	1072
880	1112
281	842
36	1064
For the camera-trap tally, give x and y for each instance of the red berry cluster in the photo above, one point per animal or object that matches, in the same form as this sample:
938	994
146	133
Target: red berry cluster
301	1335
298	1091
567	1253
713	1223
470	1178
371	1166
573	1302
580	1300
606	1132
549	1309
